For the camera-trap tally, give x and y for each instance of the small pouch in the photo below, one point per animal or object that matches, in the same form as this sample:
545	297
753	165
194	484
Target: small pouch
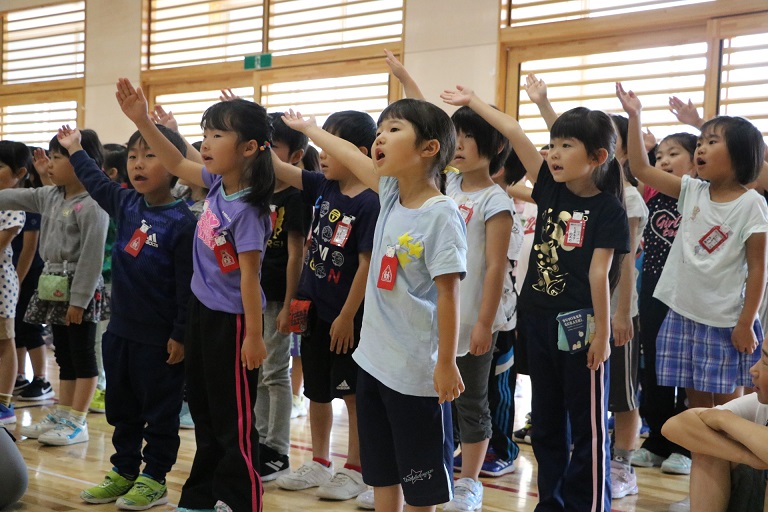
53	287
575	330
300	310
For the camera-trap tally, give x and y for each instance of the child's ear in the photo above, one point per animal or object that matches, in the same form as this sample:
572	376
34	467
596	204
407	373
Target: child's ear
111	173
296	157
250	148
601	157
363	150
21	174
430	148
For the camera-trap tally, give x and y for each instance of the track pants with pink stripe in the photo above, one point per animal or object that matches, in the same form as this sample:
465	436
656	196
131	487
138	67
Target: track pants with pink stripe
221	395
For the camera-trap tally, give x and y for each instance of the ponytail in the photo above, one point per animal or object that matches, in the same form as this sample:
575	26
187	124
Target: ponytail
608	178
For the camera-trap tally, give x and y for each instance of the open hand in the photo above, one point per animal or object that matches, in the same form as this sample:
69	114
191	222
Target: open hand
396	66
69	138
629	100
228	95
649	140
297	122
536	88
459	98
132	101
686	113
160	116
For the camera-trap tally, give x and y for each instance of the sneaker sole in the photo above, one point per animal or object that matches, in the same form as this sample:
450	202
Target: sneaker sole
675	471
328	494
98	501
490	474
8	421
161	501
632	492
61	442
274	476
44	396
97	410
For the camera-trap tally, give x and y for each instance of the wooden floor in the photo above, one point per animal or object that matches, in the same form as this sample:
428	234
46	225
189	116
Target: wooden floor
58	474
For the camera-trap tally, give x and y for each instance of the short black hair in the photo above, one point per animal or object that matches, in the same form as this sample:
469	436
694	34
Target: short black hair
491	144
744	142
295	139
356	127
16	155
90	142
514	170
116	157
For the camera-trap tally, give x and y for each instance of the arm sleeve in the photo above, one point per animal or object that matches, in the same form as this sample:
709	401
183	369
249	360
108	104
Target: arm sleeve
310	184
366	226
295	215
448	241
103	190
613	230
544	181
93	223
26	199
182	256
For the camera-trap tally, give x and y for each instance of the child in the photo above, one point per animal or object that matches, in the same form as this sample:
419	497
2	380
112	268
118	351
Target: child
486	209
281	271
728	443
659	403
714	278
70	294
224	342
29	266
143	343
333	279
407	352
13	168
582	228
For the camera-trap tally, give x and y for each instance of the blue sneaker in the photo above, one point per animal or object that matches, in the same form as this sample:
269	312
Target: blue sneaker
457	463
645	430
494	466
611	423
7	415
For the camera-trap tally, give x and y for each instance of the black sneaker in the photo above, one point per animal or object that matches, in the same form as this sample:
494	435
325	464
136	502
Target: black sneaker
38	389
20	385
273	464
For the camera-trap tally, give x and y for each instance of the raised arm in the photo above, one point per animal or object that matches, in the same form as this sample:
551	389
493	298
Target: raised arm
134	106
664	182
507	125
537	93
344	151
160	116
686	113
409	84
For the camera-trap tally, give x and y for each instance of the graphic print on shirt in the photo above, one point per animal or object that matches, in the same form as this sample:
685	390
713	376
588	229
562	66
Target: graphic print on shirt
665	224
324	257
278	216
408	249
551	278
206	227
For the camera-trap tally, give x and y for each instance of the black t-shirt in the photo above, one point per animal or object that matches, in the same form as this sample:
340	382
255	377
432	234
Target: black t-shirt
558	271
290	215
32	223
658	235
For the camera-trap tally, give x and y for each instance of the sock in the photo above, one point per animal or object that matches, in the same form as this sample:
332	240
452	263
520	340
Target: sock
5	399
78	416
322	461
623	456
145	475
353	467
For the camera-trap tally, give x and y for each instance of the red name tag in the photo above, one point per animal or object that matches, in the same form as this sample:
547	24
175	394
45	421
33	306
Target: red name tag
574	231
342	231
713	239
136	244
273	215
388	271
225	255
466	210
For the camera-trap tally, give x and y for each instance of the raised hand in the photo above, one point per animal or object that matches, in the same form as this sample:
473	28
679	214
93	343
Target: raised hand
160	116
132	101
228	95
684	112
629	100
68	137
40	160
396	66
536	88
296	121
459	98
649	140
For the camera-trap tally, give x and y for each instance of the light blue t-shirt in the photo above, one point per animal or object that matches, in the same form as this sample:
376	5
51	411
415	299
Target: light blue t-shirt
399	338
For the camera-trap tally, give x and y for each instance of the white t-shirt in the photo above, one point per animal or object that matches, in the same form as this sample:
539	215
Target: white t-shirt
749	408
478	207
399	339
704	277
9	293
530	212
636	209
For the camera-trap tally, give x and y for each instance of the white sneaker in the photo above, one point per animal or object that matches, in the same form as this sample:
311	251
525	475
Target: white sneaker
66	432
35	430
681	506
467	496
364	500
345	485
677	464
311	474
298	407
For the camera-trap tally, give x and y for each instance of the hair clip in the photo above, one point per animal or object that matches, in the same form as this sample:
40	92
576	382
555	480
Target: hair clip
266	145
451	169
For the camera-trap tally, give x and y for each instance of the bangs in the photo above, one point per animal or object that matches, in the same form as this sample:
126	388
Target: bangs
570	125
398	110
218	117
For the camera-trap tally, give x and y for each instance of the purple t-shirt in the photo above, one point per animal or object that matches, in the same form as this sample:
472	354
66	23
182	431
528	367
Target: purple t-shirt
244	227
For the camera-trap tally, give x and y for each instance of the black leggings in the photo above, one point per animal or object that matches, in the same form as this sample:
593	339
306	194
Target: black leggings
75	352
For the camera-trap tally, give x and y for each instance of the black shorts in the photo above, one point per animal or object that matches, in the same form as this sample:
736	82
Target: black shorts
405	440
327	375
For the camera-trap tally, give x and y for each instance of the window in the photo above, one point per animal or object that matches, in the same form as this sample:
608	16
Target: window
47	43
187	32
744	74
518	13
588	80
188	108
324	96
299	26
34	124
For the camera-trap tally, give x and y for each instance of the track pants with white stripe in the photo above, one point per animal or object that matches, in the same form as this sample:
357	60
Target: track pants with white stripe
568	405
221	395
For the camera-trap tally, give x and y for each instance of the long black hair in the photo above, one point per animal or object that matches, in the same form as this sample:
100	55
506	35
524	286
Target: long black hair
89	140
250	122
596	131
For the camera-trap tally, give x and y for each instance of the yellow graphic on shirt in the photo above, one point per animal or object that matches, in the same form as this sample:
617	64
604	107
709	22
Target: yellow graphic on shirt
277	229
408	249
551	279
